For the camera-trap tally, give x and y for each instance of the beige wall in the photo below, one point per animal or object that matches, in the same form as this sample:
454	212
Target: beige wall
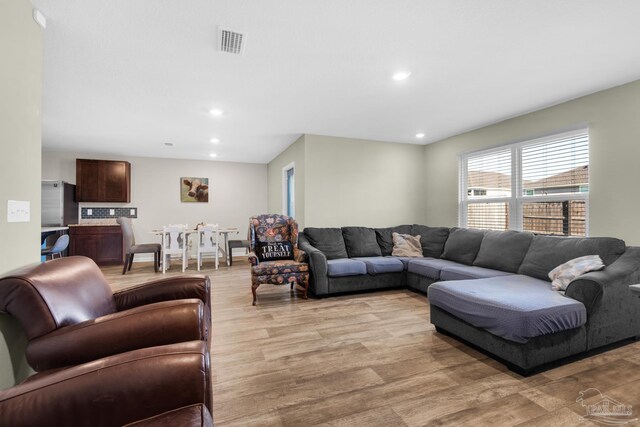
236	190
20	104
360	182
613	118
295	153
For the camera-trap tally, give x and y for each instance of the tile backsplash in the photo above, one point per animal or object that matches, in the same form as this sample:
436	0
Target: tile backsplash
108	213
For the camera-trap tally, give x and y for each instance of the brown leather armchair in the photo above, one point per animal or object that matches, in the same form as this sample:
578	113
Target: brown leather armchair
165	385
70	315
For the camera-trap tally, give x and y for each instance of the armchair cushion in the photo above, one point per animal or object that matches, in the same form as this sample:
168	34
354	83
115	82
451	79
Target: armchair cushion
279	267
155	324
113	391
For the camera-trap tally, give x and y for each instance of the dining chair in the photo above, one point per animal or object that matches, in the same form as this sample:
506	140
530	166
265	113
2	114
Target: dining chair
58	247
131	248
174	242
208	242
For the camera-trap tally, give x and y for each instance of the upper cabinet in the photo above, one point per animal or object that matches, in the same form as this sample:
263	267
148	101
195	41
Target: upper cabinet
103	181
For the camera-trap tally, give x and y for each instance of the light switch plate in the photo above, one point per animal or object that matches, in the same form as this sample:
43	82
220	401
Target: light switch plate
112	212
18	211
89	212
132	211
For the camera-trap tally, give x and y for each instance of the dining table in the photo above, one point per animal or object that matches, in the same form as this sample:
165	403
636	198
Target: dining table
224	232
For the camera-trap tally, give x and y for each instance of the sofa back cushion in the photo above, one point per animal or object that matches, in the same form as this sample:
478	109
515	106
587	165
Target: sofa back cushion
329	241
432	239
503	250
360	242
463	245
548	252
384	236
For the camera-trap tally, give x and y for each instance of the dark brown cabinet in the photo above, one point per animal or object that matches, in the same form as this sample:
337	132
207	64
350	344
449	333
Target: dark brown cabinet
101	243
103	181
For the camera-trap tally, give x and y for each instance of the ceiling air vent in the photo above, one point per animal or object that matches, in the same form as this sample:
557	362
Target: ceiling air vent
230	41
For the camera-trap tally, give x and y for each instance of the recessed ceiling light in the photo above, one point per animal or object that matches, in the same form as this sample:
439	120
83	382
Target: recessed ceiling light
213	155
168	144
214	140
419	135
216	112
401	75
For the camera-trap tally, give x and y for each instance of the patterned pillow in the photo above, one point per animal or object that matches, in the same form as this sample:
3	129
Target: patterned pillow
563	274
274	251
406	245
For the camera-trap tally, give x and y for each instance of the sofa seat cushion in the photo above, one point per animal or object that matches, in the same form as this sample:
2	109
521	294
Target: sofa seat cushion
405	260
380	265
466	272
279	267
345	267
515	307
429	267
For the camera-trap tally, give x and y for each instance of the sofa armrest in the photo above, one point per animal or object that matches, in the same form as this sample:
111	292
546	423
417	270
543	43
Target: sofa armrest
147	326
112	391
612	311
319	283
173	288
613	280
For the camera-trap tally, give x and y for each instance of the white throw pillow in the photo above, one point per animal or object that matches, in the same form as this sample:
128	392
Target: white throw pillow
406	245
563	274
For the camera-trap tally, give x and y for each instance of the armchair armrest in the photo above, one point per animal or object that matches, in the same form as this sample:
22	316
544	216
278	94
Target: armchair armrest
253	259
147	326
112	391
173	288
319	283
300	255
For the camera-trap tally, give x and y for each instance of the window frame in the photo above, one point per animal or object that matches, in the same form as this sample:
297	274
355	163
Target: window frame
517	198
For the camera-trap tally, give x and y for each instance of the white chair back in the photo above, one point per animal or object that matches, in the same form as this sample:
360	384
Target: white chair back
174	242
207	242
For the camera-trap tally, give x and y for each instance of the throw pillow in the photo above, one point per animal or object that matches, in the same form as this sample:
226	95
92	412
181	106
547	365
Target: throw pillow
406	245
563	274
274	251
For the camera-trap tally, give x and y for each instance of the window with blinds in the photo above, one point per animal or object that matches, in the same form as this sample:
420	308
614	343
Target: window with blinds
540	186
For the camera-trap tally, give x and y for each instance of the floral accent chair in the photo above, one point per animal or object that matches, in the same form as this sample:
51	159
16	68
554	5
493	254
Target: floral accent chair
279	231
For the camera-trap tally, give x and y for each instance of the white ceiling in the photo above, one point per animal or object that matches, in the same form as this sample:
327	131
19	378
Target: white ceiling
126	76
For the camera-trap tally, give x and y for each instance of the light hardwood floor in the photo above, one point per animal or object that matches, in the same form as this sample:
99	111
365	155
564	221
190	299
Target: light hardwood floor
374	359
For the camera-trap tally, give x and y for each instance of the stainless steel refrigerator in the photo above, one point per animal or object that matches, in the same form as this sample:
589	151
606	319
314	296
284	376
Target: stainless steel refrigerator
59	207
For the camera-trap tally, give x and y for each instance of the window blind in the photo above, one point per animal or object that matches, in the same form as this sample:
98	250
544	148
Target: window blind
540	186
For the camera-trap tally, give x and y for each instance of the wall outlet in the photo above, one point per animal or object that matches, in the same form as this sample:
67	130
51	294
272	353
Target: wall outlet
89	212
112	212
132	211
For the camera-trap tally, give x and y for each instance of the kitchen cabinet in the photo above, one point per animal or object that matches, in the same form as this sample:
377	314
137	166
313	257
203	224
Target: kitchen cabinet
103	181
101	243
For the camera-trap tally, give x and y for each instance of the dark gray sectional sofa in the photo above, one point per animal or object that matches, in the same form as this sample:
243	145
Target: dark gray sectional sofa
490	288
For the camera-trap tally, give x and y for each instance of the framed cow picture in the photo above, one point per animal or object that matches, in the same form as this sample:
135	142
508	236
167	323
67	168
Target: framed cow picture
194	190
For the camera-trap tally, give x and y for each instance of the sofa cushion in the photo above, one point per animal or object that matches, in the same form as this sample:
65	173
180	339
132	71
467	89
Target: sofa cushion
379	265
466	272
405	260
345	267
463	245
429	267
360	241
548	252
406	245
514	307
384	236
503	250
432	239
329	241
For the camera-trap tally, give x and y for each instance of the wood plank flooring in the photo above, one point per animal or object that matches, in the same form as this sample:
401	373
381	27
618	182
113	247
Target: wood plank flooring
374	359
